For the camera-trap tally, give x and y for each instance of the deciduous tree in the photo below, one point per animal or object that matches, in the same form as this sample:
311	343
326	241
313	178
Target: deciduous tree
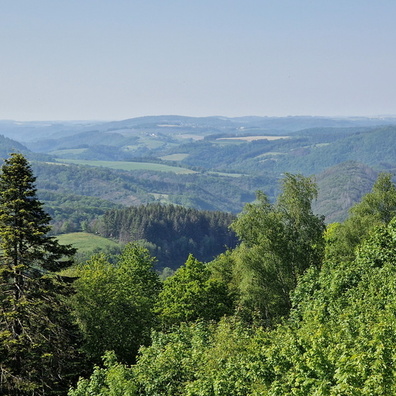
279	242
378	207
114	303
191	294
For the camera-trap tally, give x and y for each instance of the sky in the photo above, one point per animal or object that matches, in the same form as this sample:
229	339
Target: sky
118	59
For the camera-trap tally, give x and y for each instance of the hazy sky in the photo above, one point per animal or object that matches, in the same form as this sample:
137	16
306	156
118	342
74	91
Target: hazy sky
117	59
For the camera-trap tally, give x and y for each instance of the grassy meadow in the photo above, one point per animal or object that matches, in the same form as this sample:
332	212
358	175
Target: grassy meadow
85	242
129	166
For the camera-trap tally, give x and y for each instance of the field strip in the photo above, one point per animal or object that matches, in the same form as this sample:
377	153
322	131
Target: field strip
129	166
252	138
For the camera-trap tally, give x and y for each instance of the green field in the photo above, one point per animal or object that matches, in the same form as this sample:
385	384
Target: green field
226	174
68	151
253	138
128	166
270	154
85	242
164	198
175	157
150	143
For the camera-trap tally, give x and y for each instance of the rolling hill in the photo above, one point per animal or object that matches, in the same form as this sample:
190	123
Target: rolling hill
209	163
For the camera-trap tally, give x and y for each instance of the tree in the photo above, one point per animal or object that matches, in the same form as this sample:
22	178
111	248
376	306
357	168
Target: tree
341	336
172	359
191	294
37	339
113	379
376	208
339	340
114	303
279	242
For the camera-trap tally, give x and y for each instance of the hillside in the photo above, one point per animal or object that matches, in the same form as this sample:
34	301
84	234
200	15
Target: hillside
200	190
8	146
42	130
373	147
224	160
340	187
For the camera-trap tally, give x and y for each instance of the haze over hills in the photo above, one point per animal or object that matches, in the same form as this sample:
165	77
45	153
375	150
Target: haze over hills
211	163
32	131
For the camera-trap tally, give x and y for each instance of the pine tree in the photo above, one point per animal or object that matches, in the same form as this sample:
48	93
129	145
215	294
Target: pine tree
37	340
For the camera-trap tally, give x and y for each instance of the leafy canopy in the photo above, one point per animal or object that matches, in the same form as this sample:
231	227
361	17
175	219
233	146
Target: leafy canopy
191	294
279	242
114	303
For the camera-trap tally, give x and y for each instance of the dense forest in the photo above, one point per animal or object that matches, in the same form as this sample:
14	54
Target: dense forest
298	307
173	232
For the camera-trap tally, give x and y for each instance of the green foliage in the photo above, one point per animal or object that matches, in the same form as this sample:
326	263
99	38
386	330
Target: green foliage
339	338
23	222
344	325
233	363
279	243
173	231
339	341
380	204
171	360
191	294
114	379
376	208
113	303
38	343
205	359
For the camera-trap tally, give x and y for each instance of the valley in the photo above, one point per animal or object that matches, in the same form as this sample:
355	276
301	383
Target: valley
85	169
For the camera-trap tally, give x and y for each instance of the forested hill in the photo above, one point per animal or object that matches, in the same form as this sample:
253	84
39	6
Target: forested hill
208	163
372	147
340	187
8	146
173	232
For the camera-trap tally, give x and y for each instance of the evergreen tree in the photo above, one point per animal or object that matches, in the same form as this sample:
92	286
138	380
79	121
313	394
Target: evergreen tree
37	340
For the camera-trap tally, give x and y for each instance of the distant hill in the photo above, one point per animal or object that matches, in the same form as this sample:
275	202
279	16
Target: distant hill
342	186
82	140
38	130
202	190
374	147
28	131
8	146
230	158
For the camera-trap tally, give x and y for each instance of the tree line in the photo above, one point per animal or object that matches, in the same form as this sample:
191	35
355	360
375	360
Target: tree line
173	232
295	308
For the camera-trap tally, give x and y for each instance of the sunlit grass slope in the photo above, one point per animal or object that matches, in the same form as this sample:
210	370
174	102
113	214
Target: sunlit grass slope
130	166
85	242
